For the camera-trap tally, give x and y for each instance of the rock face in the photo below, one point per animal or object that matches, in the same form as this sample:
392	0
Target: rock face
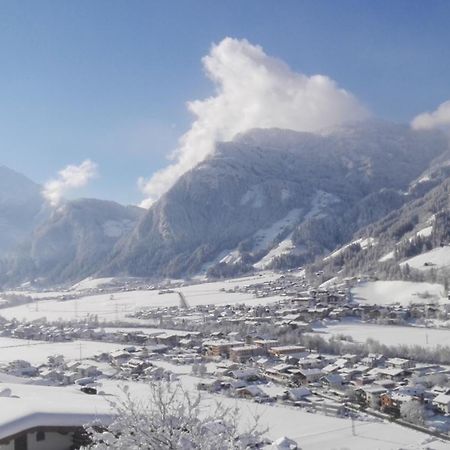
21	208
74	241
297	195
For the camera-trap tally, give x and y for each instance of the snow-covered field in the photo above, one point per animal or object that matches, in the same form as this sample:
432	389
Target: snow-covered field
264	238
145	330
91	283
425	232
387	257
284	247
36	352
123	303
389	335
437	258
364	243
403	292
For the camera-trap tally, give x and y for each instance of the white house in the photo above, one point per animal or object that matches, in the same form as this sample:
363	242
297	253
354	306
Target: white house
46	417
442	402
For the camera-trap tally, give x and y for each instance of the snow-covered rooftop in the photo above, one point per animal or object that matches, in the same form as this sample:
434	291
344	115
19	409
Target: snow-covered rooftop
23	407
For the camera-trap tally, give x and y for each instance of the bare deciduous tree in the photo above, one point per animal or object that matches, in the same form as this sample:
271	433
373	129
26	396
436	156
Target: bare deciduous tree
171	418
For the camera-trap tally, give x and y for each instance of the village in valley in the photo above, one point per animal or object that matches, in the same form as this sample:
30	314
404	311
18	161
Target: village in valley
264	342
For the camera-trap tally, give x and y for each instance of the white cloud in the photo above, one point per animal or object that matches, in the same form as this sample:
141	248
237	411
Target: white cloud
439	118
71	177
253	90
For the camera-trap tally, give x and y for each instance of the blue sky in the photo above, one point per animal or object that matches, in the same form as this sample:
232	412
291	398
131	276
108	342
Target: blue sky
109	80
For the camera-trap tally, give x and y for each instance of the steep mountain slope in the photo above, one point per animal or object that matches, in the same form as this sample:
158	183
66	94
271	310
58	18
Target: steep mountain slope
266	187
21	208
73	242
416	236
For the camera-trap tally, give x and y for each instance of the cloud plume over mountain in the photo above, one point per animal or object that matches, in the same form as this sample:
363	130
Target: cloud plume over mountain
252	90
71	177
439	118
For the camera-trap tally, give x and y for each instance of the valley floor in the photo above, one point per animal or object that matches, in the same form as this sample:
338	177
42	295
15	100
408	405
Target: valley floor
148	327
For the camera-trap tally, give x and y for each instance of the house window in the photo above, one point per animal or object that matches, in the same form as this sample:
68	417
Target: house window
40	436
21	443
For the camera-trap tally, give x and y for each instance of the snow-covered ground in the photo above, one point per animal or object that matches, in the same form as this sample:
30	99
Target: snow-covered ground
320	202
403	292
389	335
145	330
284	247
42	294
425	232
124	303
437	258
363	242
28	407
264	238
312	431
387	257
36	352
91	283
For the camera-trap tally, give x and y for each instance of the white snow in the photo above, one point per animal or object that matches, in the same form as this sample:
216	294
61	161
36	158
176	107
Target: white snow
116	228
403	292
311	431
254	197
91	283
231	257
387	257
425	232
389	335
332	281
284	247
264	238
320	201
285	194
437	258
363	242
33	406
36	352
424	179
39	295
124	303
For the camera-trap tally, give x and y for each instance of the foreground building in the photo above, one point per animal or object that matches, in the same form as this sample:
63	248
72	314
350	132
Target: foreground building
48	418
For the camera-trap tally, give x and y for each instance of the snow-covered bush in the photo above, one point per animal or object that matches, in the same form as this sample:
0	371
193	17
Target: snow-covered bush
413	411
170	418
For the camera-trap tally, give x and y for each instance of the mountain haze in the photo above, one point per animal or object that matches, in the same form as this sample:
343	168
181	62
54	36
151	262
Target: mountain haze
21	208
74	241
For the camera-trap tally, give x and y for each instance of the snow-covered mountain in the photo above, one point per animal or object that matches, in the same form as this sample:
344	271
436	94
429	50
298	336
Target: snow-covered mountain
73	242
21	208
269	198
411	242
277	197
